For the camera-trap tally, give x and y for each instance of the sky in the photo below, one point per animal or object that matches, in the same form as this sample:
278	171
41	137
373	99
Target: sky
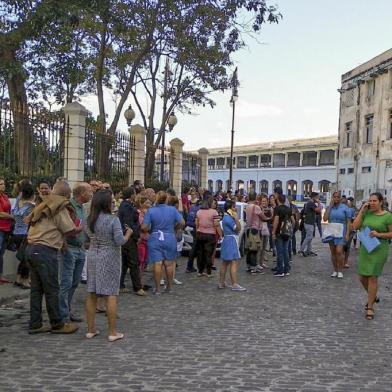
289	77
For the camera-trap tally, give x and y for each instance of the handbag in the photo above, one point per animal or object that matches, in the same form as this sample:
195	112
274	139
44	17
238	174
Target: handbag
21	251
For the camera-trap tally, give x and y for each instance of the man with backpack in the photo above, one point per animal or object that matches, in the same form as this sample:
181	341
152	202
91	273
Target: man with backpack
312	207
191	222
282	231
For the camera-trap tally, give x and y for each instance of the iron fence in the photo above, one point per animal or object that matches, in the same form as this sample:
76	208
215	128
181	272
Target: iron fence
108	157
191	169
31	143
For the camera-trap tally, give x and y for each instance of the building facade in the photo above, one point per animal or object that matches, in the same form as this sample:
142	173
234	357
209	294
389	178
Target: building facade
297	166
365	129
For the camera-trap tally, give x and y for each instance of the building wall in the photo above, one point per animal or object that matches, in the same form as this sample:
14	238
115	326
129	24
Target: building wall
364	165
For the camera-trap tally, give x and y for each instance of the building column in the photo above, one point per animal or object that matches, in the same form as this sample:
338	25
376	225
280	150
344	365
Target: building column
318	158
137	160
176	146
285	159
75	127
203	155
301	157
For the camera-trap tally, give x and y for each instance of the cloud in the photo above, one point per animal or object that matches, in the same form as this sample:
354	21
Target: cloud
251	110
312	110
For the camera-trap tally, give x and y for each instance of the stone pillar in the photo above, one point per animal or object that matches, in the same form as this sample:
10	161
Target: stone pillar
203	154
137	160
301	157
75	126
318	158
176	146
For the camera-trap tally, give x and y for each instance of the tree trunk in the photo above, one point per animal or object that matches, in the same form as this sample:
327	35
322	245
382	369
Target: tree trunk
150	156
20	111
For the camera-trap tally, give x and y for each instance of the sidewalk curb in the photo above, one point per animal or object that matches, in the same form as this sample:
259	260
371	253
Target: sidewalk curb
12	297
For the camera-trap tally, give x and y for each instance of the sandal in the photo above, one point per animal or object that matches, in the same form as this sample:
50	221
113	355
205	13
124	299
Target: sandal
369	316
376	302
90	335
113	338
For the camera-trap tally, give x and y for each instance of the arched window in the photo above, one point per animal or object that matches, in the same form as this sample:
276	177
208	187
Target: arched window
292	188
307	188
252	186
324	186
240	184
219	185
227	185
264	187
276	184
210	185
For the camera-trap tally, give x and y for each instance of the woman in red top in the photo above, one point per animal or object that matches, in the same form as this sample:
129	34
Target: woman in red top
5	224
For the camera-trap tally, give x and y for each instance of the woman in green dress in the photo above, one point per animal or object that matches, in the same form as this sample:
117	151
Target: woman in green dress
370	265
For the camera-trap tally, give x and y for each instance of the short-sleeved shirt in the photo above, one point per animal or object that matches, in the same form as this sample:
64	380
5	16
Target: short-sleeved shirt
283	213
50	231
79	239
339	214
19	213
310	213
5	206
228	225
253	216
207	220
162	218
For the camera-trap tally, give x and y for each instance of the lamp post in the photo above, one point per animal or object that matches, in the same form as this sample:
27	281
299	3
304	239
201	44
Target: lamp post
234	98
129	115
171	122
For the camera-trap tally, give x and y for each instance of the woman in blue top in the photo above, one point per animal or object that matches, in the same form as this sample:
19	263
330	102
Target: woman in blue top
161	221
337	212
230	253
23	207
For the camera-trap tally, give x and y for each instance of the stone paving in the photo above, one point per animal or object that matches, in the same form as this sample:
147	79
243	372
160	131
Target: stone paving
305	332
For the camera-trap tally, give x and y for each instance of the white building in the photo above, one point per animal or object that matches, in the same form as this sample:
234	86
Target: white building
297	166
365	129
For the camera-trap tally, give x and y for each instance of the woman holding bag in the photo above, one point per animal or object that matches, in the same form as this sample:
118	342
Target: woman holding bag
370	265
337	212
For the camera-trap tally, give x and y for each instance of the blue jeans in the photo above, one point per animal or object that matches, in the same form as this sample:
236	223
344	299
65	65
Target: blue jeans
282	253
44	281
3	244
71	274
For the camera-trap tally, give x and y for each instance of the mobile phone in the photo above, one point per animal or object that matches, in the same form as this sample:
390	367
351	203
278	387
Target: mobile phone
126	226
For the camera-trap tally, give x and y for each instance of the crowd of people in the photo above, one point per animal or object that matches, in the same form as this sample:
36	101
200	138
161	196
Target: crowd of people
65	236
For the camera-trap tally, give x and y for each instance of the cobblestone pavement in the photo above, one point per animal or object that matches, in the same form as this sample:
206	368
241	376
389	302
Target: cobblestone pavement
305	332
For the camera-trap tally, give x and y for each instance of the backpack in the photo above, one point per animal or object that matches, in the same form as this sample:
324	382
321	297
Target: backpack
191	218
286	229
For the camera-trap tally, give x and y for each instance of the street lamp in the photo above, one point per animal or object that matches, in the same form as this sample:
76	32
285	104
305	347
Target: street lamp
129	115
171	122
233	100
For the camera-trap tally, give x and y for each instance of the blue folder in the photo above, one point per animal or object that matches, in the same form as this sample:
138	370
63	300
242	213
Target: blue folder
370	243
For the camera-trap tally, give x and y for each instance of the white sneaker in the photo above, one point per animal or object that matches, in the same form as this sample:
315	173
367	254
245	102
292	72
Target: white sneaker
340	275
162	282
175	281
334	274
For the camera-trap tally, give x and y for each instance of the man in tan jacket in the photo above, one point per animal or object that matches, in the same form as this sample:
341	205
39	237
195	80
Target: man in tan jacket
50	222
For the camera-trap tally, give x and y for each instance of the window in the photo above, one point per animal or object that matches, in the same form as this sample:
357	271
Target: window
211	164
253	161
264	186
327	158
228	162
219	185
291	188
252	186
342	171
293	159
241	162
265	160
348	98
324	186
276	184
371	88
279	160
220	163
210	185
369	129
348	135
390	124
366	169
350	170
307	188
309	158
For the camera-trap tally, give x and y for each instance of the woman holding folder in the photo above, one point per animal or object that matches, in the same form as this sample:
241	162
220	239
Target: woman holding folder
371	263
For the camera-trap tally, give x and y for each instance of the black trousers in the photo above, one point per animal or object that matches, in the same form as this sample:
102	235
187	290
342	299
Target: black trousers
130	261
44	281
23	267
205	246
